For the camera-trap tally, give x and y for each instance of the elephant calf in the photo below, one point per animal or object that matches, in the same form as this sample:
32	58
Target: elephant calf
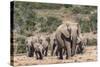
81	44
29	47
34	46
38	48
43	41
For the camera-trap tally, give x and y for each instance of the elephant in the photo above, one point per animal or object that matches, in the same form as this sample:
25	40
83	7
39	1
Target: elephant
66	36
44	42
30	45
38	48
53	43
34	46
81	44
62	36
75	32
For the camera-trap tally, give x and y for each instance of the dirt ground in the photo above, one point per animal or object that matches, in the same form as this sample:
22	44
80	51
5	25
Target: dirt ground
89	55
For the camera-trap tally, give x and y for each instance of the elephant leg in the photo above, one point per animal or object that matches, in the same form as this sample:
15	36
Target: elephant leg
43	51
52	51
66	54
55	51
33	52
68	51
36	53
76	50
40	55
74	40
60	54
64	51
30	53
46	51
73	50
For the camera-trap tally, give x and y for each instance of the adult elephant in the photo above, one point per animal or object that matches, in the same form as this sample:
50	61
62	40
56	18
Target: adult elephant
75	32
66	36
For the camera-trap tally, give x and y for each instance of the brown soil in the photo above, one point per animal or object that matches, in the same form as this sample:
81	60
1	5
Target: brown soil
89	55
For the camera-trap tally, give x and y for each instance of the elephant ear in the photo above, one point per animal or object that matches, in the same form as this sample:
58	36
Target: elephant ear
65	31
78	29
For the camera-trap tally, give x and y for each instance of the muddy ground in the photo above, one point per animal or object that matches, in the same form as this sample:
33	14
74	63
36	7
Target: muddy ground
89	55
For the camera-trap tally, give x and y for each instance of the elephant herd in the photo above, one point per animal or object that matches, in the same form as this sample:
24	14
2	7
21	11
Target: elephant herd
66	40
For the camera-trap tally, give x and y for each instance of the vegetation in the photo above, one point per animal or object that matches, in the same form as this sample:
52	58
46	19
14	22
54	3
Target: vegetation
44	17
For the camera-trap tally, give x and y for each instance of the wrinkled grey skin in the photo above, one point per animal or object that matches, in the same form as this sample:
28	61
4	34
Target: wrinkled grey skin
44	42
54	47
62	36
38	48
66	36
34	46
74	31
37	44
53	44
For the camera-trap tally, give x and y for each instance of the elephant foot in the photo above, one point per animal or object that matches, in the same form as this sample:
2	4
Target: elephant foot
61	58
66	57
30	55
45	54
37	58
72	55
41	58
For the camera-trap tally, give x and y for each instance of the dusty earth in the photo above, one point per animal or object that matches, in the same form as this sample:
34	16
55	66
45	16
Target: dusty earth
89	55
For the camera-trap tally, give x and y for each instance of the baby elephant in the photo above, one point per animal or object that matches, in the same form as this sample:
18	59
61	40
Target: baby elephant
29	47
81	44
44	42
38	48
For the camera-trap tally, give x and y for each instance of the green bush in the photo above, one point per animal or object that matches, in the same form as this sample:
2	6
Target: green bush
21	48
51	24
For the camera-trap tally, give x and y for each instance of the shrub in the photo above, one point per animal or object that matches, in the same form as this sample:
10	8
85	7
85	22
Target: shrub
21	48
21	45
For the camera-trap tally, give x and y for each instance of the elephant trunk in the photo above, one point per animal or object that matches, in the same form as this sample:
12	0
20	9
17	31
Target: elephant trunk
73	46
